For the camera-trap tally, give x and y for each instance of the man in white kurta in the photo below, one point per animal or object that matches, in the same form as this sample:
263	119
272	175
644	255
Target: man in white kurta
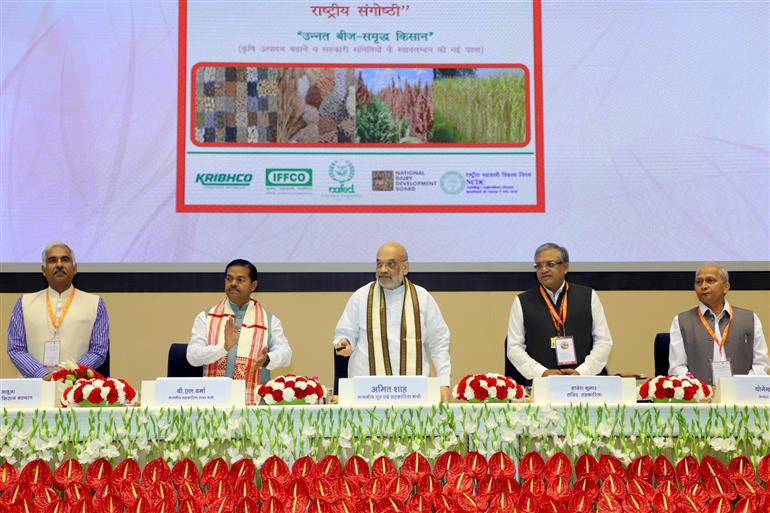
238	337
410	345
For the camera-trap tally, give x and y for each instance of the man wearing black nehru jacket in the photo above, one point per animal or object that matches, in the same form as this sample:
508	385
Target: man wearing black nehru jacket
557	328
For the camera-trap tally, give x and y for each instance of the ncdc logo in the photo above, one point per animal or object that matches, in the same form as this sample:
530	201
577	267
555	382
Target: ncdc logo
342	171
452	182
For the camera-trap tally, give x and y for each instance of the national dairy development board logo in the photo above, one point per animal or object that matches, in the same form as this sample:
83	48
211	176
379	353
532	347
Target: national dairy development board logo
452	182
342	171
220	180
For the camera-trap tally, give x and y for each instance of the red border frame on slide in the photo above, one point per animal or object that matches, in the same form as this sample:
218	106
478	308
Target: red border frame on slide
181	206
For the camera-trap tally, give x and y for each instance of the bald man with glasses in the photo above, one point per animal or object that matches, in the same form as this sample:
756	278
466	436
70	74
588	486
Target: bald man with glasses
557	328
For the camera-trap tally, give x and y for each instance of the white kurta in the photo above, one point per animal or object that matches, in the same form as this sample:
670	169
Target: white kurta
435	332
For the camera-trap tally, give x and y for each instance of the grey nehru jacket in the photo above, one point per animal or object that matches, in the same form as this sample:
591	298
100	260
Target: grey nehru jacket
699	346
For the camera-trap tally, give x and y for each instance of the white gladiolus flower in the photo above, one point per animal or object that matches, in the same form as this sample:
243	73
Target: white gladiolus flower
604	429
723	444
507	434
233	454
202	443
308	430
19	440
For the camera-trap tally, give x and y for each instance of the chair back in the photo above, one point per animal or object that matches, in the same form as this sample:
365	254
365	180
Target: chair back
340	370
662	342
178	366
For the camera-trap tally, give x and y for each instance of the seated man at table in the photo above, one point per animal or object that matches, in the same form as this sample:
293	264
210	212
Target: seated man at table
716	339
238	337
58	324
557	328
391	326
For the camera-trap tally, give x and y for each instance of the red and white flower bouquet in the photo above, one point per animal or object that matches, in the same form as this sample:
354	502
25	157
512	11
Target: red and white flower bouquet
99	392
674	388
292	389
489	387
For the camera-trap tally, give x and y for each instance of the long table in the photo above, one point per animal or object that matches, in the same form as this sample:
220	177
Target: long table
674	430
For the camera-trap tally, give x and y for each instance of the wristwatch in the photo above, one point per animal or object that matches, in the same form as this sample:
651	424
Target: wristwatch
267	361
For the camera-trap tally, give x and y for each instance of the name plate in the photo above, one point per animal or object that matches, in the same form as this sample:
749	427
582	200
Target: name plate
27	393
745	390
389	390
194	392
583	389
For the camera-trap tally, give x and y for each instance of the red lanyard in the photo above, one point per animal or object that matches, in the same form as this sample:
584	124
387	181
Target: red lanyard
558	320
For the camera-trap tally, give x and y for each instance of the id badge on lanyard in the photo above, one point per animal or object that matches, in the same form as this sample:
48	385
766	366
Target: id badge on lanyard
52	352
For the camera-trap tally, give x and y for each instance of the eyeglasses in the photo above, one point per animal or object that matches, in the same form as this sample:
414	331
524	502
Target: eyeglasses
542	265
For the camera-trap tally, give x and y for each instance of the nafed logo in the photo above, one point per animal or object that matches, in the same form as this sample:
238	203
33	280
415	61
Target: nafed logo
452	182
342	171
224	179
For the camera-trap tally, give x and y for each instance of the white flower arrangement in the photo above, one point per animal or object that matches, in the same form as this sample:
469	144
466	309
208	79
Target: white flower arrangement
292	389
99	391
678	388
488	387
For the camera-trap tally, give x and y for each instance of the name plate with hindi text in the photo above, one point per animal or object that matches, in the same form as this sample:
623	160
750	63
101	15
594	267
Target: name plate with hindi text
744	390
27	393
390	390
584	389
194	392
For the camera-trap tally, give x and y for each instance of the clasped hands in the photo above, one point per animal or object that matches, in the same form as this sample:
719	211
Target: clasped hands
231	339
561	372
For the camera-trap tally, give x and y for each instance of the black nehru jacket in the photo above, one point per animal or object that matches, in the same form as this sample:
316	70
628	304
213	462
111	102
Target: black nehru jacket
539	327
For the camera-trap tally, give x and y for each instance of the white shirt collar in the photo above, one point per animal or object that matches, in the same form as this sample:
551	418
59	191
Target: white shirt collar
704	309
555	295
64	295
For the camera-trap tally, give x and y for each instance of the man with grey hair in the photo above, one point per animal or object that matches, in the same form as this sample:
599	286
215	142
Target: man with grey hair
59	323
391	326
716	339
557	328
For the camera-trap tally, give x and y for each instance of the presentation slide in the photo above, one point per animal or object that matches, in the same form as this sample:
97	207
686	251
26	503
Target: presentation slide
302	135
360	108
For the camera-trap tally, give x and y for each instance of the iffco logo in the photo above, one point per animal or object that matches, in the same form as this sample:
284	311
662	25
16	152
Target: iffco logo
224	179
342	171
279	177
